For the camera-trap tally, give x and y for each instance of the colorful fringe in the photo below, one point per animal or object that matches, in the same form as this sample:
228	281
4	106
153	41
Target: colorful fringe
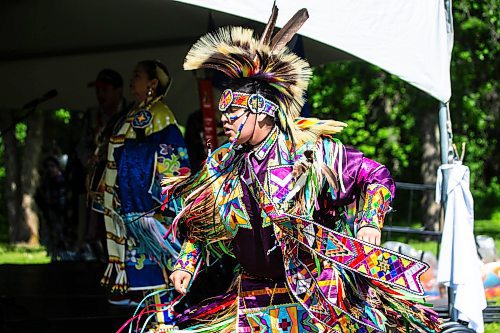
153	238
345	284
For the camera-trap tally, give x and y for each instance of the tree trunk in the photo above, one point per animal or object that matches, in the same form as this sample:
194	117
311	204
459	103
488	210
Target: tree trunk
430	164
17	229
29	175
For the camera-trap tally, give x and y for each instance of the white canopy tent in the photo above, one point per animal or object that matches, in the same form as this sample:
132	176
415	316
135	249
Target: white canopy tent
63	44
411	39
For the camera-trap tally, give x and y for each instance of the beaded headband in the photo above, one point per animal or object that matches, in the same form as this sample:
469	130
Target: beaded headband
254	102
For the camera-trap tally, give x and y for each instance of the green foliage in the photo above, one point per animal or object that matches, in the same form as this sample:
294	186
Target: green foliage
11	254
385	114
2	164
488	227
19	254
21	132
373	103
492	328
63	115
475	104
3	213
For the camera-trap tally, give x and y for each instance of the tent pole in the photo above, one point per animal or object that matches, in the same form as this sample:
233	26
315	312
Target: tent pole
445	135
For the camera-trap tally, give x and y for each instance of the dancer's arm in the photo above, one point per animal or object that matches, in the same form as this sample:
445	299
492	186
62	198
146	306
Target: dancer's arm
378	188
186	264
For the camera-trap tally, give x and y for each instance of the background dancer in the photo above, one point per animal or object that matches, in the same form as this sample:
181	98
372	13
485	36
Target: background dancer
146	149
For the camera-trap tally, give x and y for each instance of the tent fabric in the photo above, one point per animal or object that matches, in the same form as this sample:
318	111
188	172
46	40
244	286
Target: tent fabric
411	39
62	44
459	266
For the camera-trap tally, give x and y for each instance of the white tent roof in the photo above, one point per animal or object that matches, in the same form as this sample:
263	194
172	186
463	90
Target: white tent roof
63	44
410	38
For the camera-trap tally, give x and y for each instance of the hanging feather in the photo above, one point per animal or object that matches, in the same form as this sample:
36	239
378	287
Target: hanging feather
302	172
330	176
303	164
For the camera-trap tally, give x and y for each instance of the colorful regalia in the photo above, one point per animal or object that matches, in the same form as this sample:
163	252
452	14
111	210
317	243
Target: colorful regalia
146	149
280	208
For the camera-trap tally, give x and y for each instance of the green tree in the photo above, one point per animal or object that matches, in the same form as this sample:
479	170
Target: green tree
396	124
475	103
21	151
21	159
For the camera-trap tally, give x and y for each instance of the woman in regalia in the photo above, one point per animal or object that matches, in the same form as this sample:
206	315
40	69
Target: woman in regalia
145	150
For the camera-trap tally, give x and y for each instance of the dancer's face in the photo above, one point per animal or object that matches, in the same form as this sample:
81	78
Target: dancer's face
255	129
232	120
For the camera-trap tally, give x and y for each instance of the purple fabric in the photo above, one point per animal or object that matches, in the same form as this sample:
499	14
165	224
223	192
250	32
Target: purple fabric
262	261
251	246
358	173
330	290
249	284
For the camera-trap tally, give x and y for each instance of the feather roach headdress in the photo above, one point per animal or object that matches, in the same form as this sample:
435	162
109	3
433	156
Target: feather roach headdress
241	56
237	53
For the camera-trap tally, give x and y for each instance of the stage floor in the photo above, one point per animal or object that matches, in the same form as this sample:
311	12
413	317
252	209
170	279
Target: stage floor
67	297
57	297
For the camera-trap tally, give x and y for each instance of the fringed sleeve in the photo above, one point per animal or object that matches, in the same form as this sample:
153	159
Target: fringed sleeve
359	177
378	190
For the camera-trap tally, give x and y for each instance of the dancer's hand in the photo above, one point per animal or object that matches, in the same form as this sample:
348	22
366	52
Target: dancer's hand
369	235
180	280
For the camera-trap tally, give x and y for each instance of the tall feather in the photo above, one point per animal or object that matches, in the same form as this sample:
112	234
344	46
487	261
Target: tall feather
268	31
289	30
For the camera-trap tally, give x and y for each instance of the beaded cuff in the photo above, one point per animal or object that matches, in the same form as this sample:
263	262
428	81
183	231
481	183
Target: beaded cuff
377	201
188	256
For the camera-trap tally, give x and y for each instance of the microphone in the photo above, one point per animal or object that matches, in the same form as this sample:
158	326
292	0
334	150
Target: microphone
45	97
30	106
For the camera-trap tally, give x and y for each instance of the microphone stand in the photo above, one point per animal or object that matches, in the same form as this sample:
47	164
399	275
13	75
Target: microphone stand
17	120
30	107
